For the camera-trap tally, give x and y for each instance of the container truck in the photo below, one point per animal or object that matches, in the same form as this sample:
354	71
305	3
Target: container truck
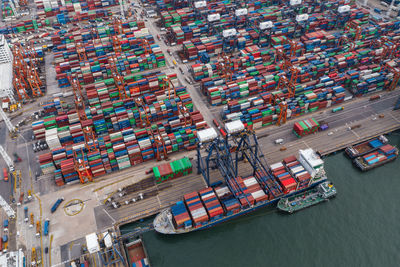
5	225
375	97
33	256
32	220
38	228
5	174
21	199
56	204
26	214
46	227
29	195
337	109
38	256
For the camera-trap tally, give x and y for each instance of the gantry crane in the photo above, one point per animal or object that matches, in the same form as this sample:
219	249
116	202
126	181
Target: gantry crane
11	128
80	50
20	72
90	139
94	33
294	46
349	27
23	2
7	159
224	67
185	114
168	85
145	45
81	168
161	147
389	47
139	104
25	73
34	80
116	44
392	67
220	155
78	98
118	79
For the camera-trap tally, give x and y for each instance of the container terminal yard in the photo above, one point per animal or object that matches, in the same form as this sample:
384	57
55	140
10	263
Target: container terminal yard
95	94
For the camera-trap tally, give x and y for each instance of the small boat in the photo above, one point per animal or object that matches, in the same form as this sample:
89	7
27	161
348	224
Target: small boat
318	194
383	155
366	147
137	255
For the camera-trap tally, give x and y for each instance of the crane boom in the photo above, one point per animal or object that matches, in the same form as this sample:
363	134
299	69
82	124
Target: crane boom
7	158
9	211
7	121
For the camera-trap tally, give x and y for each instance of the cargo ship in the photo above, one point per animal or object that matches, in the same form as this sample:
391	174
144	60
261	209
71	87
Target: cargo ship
236	197
314	196
366	147
381	156
137	255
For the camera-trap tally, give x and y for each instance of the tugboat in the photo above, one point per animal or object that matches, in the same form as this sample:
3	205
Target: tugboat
320	193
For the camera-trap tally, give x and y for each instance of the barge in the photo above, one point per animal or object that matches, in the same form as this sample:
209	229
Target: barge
366	147
240	196
383	155
136	253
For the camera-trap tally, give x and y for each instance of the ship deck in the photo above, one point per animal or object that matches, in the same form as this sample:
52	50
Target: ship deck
136	251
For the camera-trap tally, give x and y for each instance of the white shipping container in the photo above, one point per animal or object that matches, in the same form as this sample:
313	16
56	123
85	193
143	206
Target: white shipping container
258	194
276	166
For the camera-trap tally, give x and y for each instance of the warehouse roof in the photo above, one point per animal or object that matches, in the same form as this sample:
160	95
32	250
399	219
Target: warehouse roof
5	77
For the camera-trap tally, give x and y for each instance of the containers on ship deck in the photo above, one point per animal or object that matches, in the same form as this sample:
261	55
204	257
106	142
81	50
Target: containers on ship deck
180	215
290	174
385	152
211	203
197	211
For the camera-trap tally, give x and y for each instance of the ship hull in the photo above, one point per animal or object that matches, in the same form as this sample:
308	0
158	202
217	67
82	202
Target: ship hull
364	168
240	213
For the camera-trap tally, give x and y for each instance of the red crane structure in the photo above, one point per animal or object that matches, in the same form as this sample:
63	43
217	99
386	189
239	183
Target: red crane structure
168	85
224	67
118	79
90	139
161	147
391	66
25	75
80	50
143	121
81	168
78	98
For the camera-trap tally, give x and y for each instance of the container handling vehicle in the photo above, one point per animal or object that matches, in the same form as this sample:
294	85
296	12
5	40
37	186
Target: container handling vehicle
56	204
46	227
236	196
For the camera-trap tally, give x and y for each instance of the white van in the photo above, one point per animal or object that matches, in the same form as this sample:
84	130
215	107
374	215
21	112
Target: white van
279	141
